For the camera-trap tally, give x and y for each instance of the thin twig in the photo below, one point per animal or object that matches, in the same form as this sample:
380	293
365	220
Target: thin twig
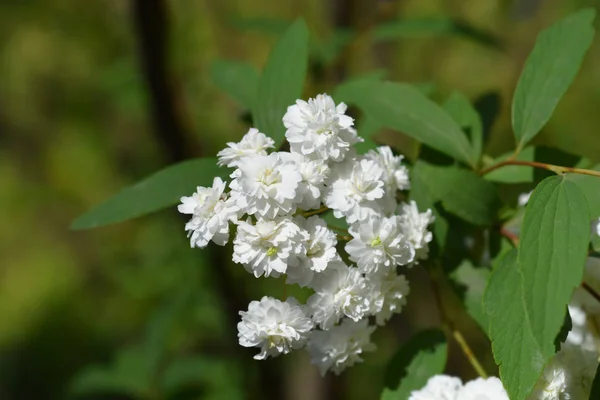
510	236
591	291
337	228
315	212
549	167
449	324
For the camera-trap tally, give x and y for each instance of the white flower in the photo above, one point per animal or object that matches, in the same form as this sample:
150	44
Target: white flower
568	376
211	214
378	244
252	144
274	326
266	185
483	389
319	129
340	291
354	188
581	297
438	387
387	295
269	246
320	251
341	346
524	198
396	175
580	335
596	227
314	173
414	226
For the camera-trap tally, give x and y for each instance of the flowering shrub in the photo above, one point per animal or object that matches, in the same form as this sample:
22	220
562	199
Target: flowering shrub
307	198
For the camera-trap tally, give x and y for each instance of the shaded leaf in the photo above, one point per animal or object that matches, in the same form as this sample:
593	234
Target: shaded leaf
432	26
463	113
564	331
595	392
160	190
549	71
423	356
462	192
267	25
404	108
282	80
237	79
488	107
470	282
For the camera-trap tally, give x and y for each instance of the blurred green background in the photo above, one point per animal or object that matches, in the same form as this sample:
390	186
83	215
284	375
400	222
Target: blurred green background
95	95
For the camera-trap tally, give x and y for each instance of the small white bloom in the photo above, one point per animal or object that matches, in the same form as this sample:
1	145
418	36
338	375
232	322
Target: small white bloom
354	189
319	129
252	144
388	294
596	227
339	291
266	185
524	198
414	226
269	246
438	387
580	335
378	244
314	174
211	214
274	326
320	251
396	175
568	376
483	389
341	346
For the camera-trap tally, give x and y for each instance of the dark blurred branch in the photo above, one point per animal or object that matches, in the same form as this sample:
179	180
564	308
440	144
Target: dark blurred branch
152	30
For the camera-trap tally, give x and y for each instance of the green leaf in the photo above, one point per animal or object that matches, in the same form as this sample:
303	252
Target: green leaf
237	79
595	393
268	25
349	91
462	192
328	50
470	282
404	108
432	26
282	80
160	190
528	293
366	129
465	115
423	356
549	71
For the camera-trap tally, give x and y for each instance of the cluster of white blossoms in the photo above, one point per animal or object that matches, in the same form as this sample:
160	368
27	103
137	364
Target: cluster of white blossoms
444	387
277	205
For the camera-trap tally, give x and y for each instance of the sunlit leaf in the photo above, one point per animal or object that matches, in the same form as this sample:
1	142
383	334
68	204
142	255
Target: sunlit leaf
282	80
549	71
470	282
423	356
160	190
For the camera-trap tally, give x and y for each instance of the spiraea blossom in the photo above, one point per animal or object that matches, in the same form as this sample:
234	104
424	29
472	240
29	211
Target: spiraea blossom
269	246
339	291
414	226
320	129
444	387
388	294
341	346
211	214
254	143
354	189
280	203
379	244
274	326
320	251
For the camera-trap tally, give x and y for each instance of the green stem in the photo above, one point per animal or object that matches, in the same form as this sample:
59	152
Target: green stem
315	212
557	169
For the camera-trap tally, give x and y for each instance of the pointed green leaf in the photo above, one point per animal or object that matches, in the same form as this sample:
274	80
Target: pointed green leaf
423	356
403	107
470	283
282	80
465	115
160	190
528	292
549	71
237	79
462	192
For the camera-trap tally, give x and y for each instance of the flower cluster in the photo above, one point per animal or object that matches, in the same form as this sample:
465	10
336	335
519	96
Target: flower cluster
326	218
444	387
